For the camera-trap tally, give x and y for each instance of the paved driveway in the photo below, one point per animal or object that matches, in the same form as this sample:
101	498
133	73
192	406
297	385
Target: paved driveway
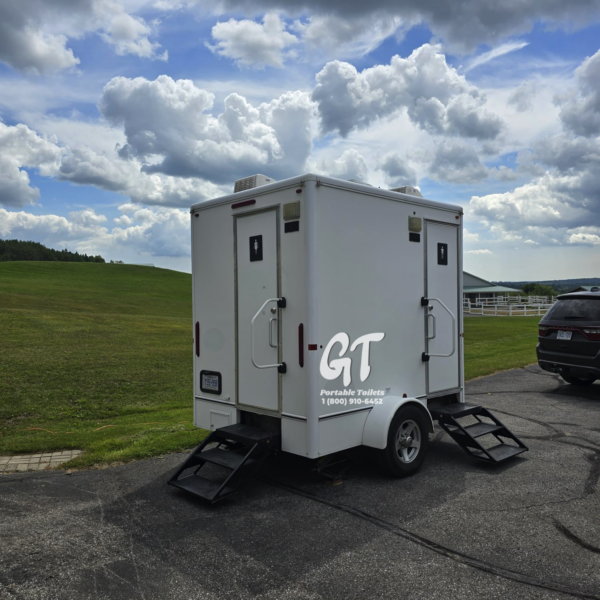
458	529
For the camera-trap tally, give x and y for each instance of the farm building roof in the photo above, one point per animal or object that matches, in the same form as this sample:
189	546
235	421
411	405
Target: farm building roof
496	289
476	285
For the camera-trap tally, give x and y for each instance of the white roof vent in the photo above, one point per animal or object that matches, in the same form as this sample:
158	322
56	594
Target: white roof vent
253	181
408	189
359	181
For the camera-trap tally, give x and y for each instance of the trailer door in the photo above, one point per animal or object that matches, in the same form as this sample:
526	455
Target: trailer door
257	280
442	314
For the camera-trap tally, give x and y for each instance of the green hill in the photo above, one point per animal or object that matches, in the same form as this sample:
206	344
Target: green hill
87	345
99	357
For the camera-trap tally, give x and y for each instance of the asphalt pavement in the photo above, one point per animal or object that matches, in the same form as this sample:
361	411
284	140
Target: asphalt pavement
529	528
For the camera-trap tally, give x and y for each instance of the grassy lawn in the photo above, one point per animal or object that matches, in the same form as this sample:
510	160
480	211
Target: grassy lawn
99	357
498	343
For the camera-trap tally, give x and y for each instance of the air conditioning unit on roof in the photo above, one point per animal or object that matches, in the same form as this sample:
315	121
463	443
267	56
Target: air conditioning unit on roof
408	189
251	182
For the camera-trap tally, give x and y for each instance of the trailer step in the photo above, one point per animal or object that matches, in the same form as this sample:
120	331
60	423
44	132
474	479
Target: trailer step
246	433
200	486
479	429
503	451
457	410
252	446
225	458
468	436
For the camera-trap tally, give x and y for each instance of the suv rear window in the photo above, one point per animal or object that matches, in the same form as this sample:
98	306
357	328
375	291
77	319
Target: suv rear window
574	309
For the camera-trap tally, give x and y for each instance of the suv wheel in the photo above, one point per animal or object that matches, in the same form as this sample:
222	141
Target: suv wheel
577	381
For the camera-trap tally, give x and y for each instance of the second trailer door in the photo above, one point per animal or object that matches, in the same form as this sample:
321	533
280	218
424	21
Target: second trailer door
257	280
442	322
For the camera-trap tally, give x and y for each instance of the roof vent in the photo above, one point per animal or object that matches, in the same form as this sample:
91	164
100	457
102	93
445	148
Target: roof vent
595	289
408	189
251	182
359	181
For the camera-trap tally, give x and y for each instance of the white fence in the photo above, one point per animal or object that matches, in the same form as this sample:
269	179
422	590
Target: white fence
506	310
530	300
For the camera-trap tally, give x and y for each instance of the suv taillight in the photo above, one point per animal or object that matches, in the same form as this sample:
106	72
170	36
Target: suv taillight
592	334
543	330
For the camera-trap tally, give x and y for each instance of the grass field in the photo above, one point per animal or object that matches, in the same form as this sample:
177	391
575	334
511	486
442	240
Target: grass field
88	346
99	357
498	343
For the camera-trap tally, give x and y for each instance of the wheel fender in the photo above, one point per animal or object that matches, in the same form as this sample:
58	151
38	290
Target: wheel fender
377	425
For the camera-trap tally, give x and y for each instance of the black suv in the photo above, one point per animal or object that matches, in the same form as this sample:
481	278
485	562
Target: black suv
569	338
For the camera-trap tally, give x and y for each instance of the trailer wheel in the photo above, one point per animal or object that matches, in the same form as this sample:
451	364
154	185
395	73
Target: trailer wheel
407	443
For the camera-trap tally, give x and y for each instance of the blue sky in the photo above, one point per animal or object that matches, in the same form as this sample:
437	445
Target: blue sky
117	115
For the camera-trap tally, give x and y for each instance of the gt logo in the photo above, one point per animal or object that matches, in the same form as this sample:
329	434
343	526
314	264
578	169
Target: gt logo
332	370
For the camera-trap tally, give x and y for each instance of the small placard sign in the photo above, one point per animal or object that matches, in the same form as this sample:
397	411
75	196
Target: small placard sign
442	254
256	248
210	381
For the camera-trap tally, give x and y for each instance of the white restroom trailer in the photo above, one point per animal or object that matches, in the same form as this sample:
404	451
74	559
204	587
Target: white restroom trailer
323	309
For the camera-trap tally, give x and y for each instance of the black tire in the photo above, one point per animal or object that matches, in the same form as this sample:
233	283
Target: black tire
577	381
399	461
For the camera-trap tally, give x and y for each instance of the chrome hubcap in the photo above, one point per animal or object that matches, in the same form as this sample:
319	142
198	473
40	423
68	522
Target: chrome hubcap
408	441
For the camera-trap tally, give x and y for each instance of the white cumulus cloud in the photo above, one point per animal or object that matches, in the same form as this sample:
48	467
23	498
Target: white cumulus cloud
252	44
22	147
141	231
34	34
435	96
168	126
462	24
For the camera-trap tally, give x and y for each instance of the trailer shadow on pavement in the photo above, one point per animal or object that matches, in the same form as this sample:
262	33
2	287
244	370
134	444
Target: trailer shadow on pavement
529	528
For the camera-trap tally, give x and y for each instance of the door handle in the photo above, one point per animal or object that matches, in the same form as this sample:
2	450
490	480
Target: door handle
271	320
281	367
425	302
432	337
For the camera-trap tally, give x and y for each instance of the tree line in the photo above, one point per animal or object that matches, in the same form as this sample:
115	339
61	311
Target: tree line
549	288
20	250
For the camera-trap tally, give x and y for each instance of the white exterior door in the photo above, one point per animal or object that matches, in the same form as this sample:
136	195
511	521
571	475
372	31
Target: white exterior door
257	265
442	323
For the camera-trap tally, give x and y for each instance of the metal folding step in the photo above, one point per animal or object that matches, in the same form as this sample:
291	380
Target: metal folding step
240	449
469	437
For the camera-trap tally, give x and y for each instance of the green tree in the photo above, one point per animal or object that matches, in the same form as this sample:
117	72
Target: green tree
537	289
23	250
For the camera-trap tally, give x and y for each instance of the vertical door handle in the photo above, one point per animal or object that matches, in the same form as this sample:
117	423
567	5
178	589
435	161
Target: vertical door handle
281	367
425	302
271	321
432	337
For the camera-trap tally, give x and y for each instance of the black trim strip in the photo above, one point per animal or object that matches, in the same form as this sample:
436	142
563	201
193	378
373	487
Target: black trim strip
344	413
214	400
293	417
